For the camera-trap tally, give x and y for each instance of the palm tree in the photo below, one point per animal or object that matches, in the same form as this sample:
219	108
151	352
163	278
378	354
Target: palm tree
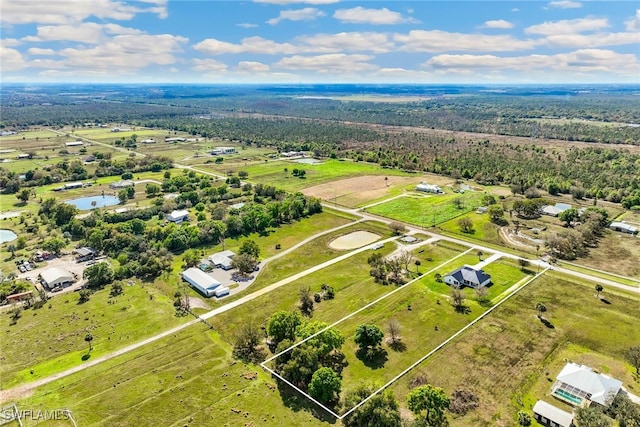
88	338
541	309
599	289
480	255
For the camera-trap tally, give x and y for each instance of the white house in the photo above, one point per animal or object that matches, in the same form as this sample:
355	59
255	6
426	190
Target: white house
56	277
201	281
72	185
623	227
467	276
223	150
429	188
222	259
178	216
74	143
578	384
548	415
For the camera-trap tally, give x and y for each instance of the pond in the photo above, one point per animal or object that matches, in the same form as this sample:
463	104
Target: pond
308	161
86	203
7	236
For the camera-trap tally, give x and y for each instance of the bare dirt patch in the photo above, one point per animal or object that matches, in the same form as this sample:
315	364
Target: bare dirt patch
355	191
354	240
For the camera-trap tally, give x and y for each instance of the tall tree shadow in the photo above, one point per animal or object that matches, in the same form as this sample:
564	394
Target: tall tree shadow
296	401
373	358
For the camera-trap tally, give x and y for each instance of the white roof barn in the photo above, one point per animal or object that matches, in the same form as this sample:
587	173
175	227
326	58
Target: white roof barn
56	276
428	188
201	281
178	216
623	227
547	414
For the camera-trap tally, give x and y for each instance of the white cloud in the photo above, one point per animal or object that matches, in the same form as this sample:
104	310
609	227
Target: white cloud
306	14
70	11
41	52
248	45
633	23
296	1
591	40
208	65
360	15
331	63
564	4
579	61
498	23
252	67
247	25
11	60
86	32
515	9
568	26
346	41
443	41
10	42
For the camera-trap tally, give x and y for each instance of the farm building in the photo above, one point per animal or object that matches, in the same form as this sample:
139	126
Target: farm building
72	185
548	415
223	150
148	141
125	183
222	291
56	277
467	276
23	156
222	259
120	129
579	385
174	140
20	297
74	144
623	227
429	188
555	210
201	281
85	253
178	216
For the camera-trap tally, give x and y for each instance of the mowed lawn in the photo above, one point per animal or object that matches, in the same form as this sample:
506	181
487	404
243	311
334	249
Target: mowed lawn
427	211
51	339
273	172
483	228
501	357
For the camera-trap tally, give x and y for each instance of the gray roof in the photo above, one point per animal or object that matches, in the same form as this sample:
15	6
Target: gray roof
623	226
84	251
469	274
199	278
600	387
55	274
552	413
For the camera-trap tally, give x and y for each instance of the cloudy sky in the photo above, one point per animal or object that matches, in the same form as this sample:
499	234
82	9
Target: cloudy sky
320	41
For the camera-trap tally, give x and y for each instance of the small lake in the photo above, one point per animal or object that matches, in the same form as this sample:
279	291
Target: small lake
7	236
86	203
308	161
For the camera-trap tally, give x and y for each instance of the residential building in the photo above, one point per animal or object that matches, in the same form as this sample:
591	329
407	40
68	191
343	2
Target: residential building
201	281
122	184
56	277
579	385
222	259
74	144
548	415
174	140
178	216
429	188
555	210
467	276
623	227
223	150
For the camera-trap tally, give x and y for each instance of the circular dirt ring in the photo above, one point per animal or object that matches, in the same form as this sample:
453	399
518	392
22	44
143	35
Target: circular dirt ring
354	240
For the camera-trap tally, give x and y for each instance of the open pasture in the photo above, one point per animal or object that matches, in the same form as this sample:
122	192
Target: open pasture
427	211
501	357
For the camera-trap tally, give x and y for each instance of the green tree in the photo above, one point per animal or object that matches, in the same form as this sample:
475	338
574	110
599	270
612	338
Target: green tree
54	245
633	356
541	309
283	324
244	263
569	216
496	213
524	419
84	295
465	224
599	289
591	416
116	289
325	385
191	258
382	410
152	189
429	403
248	343
24	195
98	275
89	339
306	301
250	247
368	337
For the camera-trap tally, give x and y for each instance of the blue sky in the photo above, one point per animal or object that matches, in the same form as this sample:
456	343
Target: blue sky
264	41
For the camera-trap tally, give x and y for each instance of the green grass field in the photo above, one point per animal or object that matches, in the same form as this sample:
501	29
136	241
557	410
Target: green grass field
426	211
51	339
503	356
483	228
272	172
